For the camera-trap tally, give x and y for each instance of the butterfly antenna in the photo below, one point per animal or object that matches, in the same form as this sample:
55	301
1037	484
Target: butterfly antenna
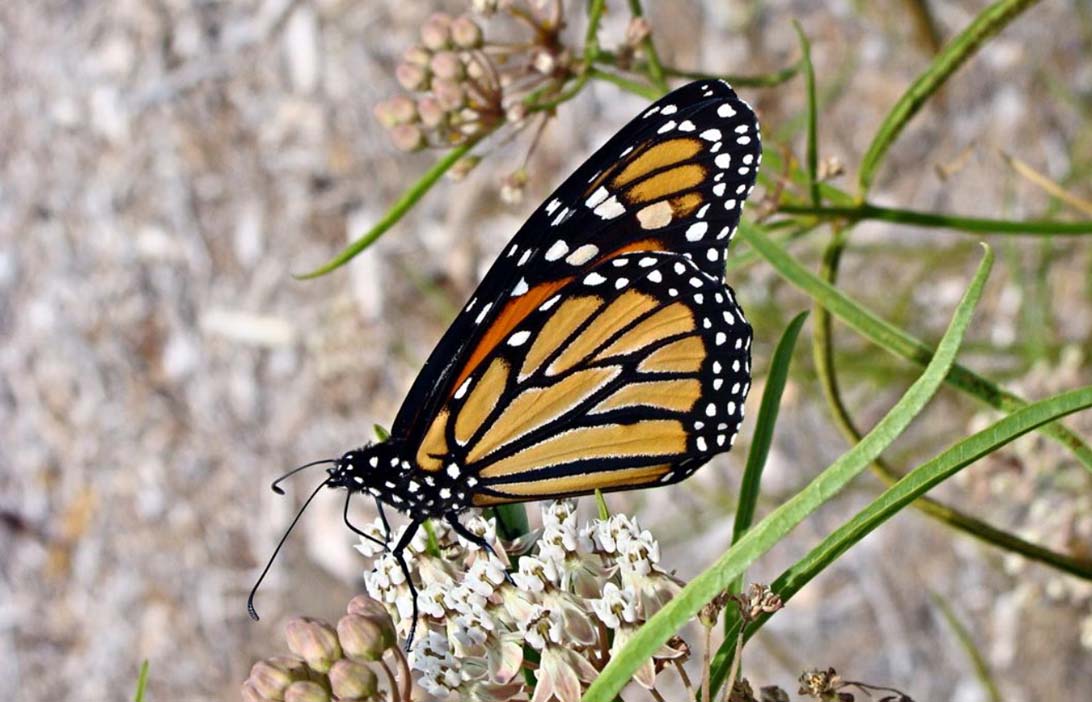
250	600
276	483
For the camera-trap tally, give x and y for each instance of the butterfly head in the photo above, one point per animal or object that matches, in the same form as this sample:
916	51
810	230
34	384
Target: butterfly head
364	469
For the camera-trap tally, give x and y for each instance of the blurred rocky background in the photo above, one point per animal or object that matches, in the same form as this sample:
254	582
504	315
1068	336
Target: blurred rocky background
166	165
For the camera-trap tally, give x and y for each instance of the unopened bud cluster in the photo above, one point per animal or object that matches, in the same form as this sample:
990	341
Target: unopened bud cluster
329	663
460	86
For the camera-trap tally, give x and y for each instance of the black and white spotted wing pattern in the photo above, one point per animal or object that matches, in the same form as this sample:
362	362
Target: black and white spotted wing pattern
633	375
674	179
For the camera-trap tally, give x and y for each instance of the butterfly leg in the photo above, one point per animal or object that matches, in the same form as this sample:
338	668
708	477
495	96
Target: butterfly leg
399	555
383	517
358	532
478	541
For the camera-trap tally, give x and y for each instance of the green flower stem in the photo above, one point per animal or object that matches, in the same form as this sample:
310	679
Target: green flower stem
764	535
762	80
897	341
823	354
989	22
627	84
908	489
591	36
653	66
866	211
398	210
966	642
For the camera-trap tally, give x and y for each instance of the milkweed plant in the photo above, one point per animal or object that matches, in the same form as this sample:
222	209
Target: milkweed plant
579	610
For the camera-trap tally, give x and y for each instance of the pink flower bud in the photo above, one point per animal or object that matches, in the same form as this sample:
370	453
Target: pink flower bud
449	94
411	76
314	641
306	692
466	33
407	137
446	65
362	638
251	694
351	680
431	113
436	31
417	55
397	110
271	677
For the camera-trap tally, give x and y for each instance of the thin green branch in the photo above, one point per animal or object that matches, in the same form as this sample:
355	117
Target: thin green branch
867	211
911	487
989	22
591	36
813	117
402	205
895	340
761	80
653	66
630	86
826	371
966	642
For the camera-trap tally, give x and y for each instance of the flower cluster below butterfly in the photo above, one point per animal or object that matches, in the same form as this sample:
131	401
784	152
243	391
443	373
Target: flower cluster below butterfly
603	349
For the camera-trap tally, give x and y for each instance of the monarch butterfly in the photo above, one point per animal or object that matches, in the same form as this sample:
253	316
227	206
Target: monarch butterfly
603	349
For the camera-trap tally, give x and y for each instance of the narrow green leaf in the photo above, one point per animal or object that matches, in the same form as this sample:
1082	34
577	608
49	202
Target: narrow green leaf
381	432
142	682
895	340
966	642
432	544
764	427
989	22
402	205
911	487
813	115
764	535
760	443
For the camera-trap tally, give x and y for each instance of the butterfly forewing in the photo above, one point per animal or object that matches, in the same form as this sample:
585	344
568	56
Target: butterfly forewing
673	180
633	374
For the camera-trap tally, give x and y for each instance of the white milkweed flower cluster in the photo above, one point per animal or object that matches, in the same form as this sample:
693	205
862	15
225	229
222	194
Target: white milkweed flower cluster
573	599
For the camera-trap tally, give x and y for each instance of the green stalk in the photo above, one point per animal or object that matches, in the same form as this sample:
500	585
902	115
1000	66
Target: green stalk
867	211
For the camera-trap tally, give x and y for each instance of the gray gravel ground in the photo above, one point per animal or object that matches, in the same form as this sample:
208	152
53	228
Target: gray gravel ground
166	164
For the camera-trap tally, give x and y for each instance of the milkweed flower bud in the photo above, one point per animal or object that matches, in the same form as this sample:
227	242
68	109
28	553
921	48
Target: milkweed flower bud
397	110
270	678
449	94
466	33
313	641
306	692
411	76
407	137
362	638
447	65
251	694
417	55
372	609
352	680
436	31
430	112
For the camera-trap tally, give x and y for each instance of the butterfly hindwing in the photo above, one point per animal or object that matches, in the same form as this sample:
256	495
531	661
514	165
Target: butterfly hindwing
673	180
633	374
